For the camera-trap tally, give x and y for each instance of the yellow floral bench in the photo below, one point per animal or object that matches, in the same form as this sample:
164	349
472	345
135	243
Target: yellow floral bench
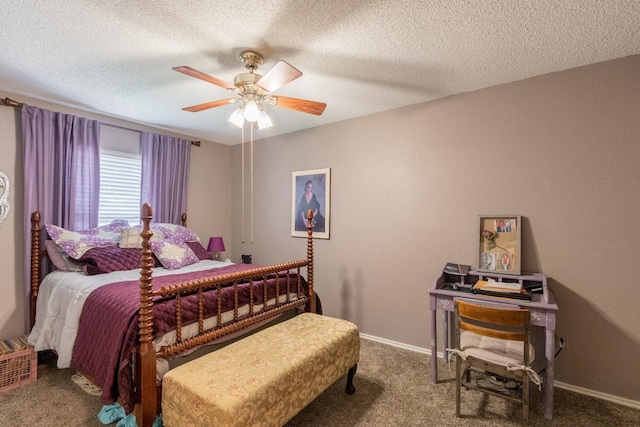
264	379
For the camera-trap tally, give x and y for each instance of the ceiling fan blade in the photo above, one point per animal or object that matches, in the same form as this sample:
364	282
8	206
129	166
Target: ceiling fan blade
202	76
278	76
212	104
311	107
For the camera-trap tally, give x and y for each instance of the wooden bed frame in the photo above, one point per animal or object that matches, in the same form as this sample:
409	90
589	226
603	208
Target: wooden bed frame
148	391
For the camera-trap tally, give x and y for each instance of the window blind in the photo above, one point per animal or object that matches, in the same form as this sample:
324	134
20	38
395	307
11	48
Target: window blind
120	176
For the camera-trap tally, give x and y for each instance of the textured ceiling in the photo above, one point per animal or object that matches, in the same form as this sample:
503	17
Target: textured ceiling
358	56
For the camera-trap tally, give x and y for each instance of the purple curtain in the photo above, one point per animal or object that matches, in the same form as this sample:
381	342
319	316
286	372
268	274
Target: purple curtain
165	175
61	173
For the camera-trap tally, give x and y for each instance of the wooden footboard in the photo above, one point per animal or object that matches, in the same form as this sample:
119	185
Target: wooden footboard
148	391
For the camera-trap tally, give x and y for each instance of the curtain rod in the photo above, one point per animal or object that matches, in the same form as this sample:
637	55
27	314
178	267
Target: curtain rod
196	143
11	103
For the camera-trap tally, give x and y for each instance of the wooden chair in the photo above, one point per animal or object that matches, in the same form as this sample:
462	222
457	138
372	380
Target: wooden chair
491	340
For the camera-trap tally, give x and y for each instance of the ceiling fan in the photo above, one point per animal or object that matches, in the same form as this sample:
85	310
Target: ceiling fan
254	90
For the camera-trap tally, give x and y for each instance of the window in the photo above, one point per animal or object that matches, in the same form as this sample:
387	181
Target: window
120	175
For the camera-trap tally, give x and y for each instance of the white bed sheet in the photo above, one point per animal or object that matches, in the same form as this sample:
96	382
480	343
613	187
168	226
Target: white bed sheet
62	295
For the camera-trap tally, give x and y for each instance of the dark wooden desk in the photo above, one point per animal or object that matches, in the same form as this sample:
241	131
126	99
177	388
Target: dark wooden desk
543	309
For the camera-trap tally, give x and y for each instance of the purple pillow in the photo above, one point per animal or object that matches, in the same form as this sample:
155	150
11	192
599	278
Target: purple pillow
199	250
110	258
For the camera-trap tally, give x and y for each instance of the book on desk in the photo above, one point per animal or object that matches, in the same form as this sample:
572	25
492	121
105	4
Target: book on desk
456	269
501	289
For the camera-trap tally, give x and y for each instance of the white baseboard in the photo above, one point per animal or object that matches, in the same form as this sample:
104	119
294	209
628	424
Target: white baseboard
580	390
395	344
604	396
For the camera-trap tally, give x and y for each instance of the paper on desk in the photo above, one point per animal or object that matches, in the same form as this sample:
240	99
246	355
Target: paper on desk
492	285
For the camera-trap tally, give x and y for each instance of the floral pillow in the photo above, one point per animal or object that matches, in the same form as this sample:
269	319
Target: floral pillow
76	243
59	258
130	237
173	253
178	232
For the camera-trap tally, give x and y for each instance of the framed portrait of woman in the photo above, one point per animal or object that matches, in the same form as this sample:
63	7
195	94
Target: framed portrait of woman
311	190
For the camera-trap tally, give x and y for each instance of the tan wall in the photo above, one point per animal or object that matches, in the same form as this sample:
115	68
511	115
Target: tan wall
12	306
407	188
408	185
208	207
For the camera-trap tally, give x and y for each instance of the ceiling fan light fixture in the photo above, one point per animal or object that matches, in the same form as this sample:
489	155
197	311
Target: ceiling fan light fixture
237	118
253	89
251	111
263	120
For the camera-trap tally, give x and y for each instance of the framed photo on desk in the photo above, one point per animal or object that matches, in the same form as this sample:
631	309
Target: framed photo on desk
499	243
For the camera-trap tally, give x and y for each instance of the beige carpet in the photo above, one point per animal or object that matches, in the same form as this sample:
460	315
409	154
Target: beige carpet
393	388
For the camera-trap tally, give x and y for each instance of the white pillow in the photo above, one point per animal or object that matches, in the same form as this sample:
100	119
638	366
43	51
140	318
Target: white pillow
130	237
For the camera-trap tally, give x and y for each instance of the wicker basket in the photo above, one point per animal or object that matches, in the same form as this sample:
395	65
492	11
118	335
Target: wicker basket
18	367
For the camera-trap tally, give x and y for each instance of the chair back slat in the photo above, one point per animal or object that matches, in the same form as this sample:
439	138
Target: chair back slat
492	315
492	332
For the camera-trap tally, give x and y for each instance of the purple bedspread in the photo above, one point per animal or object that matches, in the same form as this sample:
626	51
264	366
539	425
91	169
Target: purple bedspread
108	328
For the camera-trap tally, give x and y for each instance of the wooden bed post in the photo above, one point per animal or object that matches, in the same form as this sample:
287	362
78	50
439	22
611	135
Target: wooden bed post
35	264
146	392
312	295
